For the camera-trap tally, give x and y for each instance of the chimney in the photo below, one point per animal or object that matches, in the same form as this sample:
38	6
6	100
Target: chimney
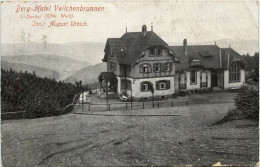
144	30
185	47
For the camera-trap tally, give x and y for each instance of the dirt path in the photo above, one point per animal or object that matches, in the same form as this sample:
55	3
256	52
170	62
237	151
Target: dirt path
82	140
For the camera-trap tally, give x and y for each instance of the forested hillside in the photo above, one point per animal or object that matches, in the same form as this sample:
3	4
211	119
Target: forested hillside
37	96
39	71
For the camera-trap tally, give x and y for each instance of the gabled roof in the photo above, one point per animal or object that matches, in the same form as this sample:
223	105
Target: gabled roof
129	48
233	57
207	56
107	76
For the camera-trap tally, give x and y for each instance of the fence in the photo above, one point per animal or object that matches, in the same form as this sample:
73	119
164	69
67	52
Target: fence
141	105
130	106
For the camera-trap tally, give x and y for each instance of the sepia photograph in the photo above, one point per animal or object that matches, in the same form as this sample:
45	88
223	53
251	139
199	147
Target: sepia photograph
129	83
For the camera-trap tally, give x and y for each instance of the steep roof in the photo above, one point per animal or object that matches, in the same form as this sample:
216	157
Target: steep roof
107	76
129	48
233	56
205	55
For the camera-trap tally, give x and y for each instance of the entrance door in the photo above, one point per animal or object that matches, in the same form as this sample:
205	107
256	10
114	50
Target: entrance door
214	78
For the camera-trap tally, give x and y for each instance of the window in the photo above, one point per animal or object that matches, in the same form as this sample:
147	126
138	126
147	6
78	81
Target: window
145	68
144	86
159	52
163	85
152	52
234	73
167	67
113	66
157	67
193	77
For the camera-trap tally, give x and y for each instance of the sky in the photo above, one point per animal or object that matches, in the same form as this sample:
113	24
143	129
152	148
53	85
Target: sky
172	21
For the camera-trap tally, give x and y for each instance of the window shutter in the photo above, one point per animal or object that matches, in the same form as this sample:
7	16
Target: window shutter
162	67
168	84
170	66
141	68
149	68
141	86
154	66
157	85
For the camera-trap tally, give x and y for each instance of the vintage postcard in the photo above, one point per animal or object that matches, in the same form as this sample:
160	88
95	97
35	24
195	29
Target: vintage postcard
129	83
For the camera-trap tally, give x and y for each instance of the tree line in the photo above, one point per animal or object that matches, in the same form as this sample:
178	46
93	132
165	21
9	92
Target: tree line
39	97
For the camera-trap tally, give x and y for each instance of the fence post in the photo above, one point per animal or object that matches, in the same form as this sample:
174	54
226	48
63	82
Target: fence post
143	105
186	103
126	106
89	107
108	107
172	104
158	104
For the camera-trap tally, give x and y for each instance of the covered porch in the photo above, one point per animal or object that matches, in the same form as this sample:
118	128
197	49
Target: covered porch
107	83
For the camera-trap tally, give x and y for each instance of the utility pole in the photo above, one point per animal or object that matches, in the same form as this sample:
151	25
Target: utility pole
106	95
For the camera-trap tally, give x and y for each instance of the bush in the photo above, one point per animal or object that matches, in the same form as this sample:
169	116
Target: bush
247	101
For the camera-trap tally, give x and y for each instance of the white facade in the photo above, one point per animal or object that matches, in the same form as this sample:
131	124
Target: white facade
136	87
201	76
228	85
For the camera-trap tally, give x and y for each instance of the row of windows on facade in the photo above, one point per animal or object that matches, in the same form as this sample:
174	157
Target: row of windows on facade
147	68
193	77
157	67
155	52
152	52
159	85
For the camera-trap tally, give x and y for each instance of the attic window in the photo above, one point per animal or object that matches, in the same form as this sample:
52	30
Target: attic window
159	52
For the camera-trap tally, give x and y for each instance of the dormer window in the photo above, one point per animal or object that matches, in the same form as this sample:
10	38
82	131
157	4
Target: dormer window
152	51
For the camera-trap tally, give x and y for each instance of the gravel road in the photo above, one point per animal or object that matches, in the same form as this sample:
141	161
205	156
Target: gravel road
165	136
